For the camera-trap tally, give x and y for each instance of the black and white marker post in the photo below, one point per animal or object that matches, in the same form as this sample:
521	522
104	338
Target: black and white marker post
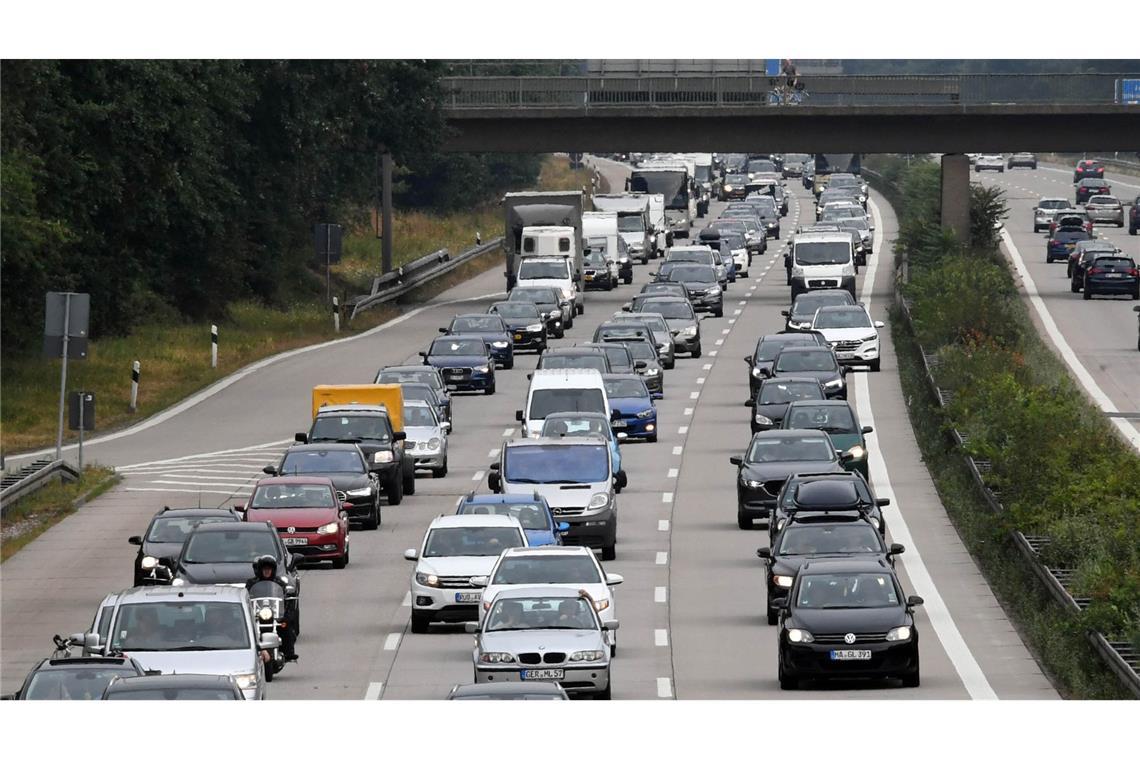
134	387
336	313
214	346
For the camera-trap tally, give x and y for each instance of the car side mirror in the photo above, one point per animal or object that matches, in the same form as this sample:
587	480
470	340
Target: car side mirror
400	436
914	601
478	581
471	627
269	640
882	502
765	372
748	360
562	527
764	552
92	642
135	541
786	313
846	457
345	506
290	561
736	460
269	469
844	370
615	415
411	555
868	429
301	437
626	307
493	467
780	604
443	330
495	482
610	625
518	415
880	324
241	507
445	426
613	579
640	364
422	353
750	403
897	549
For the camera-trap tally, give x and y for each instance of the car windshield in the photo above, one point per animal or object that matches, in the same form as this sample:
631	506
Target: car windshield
574	361
321	461
822	253
693	274
419	416
808	303
833	418
228	546
1054	203
699	257
419	392
736	180
634	387
631	223
671	184
72	683
470	541
357	427
458	347
795	158
768	349
541	613
806	361
544	296
167	694
619	357
732	240
554	463
784	393
595	259
553	568
830	538
847	591
544	270
655	322
174	530
765	203
663	287
546	401
410	376
488	323
556	427
180	626
760	165
517	310
639	349
854	222
530	516
284	496
841	318
790	449
668	309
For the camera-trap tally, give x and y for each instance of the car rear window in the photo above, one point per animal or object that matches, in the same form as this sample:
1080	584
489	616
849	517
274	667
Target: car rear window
1114	262
1068	236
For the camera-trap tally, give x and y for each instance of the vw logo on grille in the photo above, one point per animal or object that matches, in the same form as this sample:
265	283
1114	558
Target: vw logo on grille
849	638
291	529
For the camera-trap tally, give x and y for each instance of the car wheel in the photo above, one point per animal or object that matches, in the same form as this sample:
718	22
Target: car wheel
341	563
410	482
1133	230
653	438
490	390
440	472
580	308
270	670
609	285
1136	295
875	364
773	615
719	312
1087	294
420	622
609	553
509	365
297	620
604	694
696	352
743	521
787	683
394	491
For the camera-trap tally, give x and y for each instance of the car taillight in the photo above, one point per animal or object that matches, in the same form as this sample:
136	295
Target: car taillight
1134	272
1096	270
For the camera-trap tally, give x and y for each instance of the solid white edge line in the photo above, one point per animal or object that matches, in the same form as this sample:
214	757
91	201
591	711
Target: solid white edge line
375	689
1083	376
970	673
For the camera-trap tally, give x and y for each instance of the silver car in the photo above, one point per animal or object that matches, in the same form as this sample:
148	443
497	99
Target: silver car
540	633
1045	210
427	437
1105	209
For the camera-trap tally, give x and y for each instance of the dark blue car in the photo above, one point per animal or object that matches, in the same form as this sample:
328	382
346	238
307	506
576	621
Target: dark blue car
1063	242
629	397
465	362
492	329
533	514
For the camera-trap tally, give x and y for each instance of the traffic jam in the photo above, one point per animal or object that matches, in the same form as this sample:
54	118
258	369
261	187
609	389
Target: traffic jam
519	564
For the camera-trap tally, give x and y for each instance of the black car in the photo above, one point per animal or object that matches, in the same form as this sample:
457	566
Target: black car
576	357
492	329
812	361
827	493
809	538
418	373
663	289
160	546
802	313
1111	275
370	428
525	324
773	397
75	677
1089	187
645	362
678	313
704	288
733	187
762	360
345	466
847	618
623	329
466	363
223	554
596	271
549	306
181	686
658	331
772	457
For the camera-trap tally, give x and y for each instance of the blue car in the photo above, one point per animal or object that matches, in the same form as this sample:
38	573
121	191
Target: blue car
464	361
630	398
532	512
561	424
492	329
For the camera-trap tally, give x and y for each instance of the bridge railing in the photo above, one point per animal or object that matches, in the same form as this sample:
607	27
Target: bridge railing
587	93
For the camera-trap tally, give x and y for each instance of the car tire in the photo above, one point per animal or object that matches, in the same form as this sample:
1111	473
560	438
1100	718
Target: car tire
394	491
912	680
509	365
489	390
773	615
341	563
719	312
1136	295
696	352
420	622
604	694
653	438
410	482
609	553
876	364
269	671
580	308
440	472
743	521
1087	293
787	683
372	522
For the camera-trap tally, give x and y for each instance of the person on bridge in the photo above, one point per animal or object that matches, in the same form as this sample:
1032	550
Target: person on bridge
265	569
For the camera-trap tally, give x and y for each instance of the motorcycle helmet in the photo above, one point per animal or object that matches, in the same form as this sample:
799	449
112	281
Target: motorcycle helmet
263	561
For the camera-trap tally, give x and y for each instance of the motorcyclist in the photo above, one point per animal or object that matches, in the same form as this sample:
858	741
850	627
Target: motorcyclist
265	569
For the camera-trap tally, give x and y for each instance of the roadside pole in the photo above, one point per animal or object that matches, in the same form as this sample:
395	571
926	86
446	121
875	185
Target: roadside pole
134	387
66	316
214	346
63	373
336	313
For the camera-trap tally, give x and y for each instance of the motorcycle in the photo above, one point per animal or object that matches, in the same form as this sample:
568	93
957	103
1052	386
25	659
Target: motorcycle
267	600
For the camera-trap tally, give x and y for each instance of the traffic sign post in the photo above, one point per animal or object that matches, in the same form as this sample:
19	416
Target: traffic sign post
65	336
81	417
327	241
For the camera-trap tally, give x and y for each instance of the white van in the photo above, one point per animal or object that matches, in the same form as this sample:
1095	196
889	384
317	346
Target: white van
597	225
550	272
561	390
822	260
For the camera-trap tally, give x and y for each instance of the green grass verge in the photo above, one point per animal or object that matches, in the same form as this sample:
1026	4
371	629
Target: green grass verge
29	517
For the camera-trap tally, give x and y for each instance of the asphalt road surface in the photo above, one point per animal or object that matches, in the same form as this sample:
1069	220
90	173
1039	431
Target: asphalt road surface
691	607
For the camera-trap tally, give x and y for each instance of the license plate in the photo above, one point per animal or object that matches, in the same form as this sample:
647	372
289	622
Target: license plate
543	674
295	541
845	355
1114	274
850	654
619	424
589	277
518	338
468	596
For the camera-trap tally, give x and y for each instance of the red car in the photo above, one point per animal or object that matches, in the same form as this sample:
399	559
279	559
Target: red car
1088	168
311	520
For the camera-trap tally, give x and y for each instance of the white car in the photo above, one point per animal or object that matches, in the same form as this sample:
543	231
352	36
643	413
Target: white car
1046	209
851	334
552	272
427	437
455	548
566	567
991	162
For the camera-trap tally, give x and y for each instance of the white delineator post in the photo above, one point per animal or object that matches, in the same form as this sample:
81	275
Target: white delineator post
336	313
134	386
214	346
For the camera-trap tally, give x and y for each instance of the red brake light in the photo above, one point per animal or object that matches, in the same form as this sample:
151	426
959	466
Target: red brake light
1134	272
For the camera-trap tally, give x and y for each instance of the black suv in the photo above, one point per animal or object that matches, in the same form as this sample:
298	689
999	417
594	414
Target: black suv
370	428
160	546
827	493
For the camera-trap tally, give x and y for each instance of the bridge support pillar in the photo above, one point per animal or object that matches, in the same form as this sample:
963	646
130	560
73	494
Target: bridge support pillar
956	195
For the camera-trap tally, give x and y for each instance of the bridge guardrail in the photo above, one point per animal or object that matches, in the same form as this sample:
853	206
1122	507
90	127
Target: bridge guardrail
31	478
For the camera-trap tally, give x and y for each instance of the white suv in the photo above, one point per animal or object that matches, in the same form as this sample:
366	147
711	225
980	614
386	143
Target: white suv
455	548
569	567
991	161
851	334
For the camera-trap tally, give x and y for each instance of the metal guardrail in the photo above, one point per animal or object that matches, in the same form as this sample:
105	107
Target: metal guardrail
670	91
396	283
31	478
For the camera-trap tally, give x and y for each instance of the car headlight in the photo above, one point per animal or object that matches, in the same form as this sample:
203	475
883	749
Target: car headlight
728	188
836	383
246	680
601	604
328	528
714	290
753	483
482	368
599	500
265	614
902	633
783	581
433	444
500	344
149	563
382	457
802	325
857	451
799	636
366	491
689	331
534	328
623	260
762	420
862	199
427	579
773	225
496	657
588	655
652	372
645	414
178	582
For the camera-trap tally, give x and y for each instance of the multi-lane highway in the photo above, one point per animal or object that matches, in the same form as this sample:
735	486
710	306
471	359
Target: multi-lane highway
691	606
1097	338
